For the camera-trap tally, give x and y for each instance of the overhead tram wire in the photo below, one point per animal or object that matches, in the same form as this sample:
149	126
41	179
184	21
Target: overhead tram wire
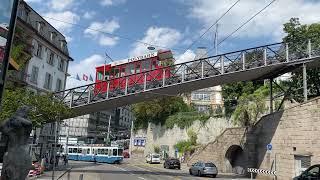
227	37
195	41
112	34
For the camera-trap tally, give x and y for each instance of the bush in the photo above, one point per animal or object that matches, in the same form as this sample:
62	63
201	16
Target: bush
185	119
156	149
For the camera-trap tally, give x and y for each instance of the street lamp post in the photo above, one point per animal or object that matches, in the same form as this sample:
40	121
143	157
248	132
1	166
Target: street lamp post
54	149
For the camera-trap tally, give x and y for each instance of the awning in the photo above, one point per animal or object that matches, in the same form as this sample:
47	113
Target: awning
13	65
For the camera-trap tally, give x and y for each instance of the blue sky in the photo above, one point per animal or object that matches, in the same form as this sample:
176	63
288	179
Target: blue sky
174	24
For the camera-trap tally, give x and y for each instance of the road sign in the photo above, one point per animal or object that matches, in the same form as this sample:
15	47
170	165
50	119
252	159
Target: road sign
269	147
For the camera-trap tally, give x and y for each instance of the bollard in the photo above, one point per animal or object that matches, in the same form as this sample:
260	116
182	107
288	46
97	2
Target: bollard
81	177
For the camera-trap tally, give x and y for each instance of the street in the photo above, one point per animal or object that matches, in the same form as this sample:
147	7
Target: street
130	170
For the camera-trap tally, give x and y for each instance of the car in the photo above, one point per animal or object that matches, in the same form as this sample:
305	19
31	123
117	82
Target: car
312	172
126	154
204	169
153	158
171	163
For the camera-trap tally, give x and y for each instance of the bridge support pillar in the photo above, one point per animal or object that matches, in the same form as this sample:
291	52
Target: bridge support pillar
271	95
305	88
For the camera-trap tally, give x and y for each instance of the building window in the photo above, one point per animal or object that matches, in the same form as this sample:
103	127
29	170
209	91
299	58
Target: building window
53	36
59	85
61	64
301	163
51	58
39	51
200	96
34	74
40	27
48	81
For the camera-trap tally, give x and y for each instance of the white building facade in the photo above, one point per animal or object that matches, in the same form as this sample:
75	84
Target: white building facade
46	71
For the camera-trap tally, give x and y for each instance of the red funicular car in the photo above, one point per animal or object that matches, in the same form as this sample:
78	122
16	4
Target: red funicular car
148	68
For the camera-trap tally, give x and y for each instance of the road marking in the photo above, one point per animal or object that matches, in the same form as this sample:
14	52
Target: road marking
141	178
128	172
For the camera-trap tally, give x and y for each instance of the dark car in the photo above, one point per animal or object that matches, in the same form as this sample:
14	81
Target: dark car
204	169
312	172
171	163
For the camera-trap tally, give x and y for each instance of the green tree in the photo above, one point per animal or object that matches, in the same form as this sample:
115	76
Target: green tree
157	110
298	36
233	91
250	107
45	108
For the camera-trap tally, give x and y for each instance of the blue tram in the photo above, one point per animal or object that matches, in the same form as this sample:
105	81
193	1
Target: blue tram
112	155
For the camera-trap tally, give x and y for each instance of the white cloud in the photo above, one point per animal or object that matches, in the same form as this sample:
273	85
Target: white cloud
161	36
61	5
189	55
86	66
108	27
66	16
268	23
89	14
108	41
111	2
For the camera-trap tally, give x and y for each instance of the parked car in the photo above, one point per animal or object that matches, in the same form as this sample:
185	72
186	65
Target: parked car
153	158
203	169
171	163
312	172
126	154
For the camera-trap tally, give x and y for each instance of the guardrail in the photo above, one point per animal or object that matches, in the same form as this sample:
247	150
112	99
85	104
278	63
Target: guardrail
262	171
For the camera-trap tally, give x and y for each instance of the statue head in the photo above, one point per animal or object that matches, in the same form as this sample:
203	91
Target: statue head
18	120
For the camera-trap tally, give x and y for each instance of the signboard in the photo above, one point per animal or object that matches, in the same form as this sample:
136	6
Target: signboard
8	12
269	148
139	142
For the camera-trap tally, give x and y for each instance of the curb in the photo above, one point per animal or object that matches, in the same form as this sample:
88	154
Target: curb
69	169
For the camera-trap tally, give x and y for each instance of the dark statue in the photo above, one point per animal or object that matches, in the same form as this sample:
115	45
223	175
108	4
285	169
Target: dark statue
17	160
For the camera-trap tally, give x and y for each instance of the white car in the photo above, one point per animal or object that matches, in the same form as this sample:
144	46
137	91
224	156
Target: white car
153	158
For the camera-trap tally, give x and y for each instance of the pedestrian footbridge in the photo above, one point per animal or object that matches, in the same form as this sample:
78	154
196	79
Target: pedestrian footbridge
261	62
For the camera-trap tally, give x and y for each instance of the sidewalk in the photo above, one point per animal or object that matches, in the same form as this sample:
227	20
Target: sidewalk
48	174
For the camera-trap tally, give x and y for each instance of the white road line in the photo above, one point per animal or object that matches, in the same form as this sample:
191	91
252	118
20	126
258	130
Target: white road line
127	172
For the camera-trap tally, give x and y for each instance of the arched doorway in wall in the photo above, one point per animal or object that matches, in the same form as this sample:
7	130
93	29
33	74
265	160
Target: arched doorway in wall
235	160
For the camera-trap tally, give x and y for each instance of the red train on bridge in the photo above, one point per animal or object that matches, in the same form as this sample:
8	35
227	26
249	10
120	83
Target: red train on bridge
113	76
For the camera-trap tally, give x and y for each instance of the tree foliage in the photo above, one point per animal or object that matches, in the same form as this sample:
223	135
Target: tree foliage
185	119
232	92
250	107
157	111
298	36
45	108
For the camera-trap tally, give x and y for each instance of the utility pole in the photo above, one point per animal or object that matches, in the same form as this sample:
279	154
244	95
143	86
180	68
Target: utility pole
131	138
216	39
109	129
54	148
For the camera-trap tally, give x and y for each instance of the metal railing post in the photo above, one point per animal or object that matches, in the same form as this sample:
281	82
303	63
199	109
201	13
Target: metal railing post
108	89
71	100
222	64
145	82
183	73
202	69
287	52
243	61
265	56
163	77
126	88
89	95
309	48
